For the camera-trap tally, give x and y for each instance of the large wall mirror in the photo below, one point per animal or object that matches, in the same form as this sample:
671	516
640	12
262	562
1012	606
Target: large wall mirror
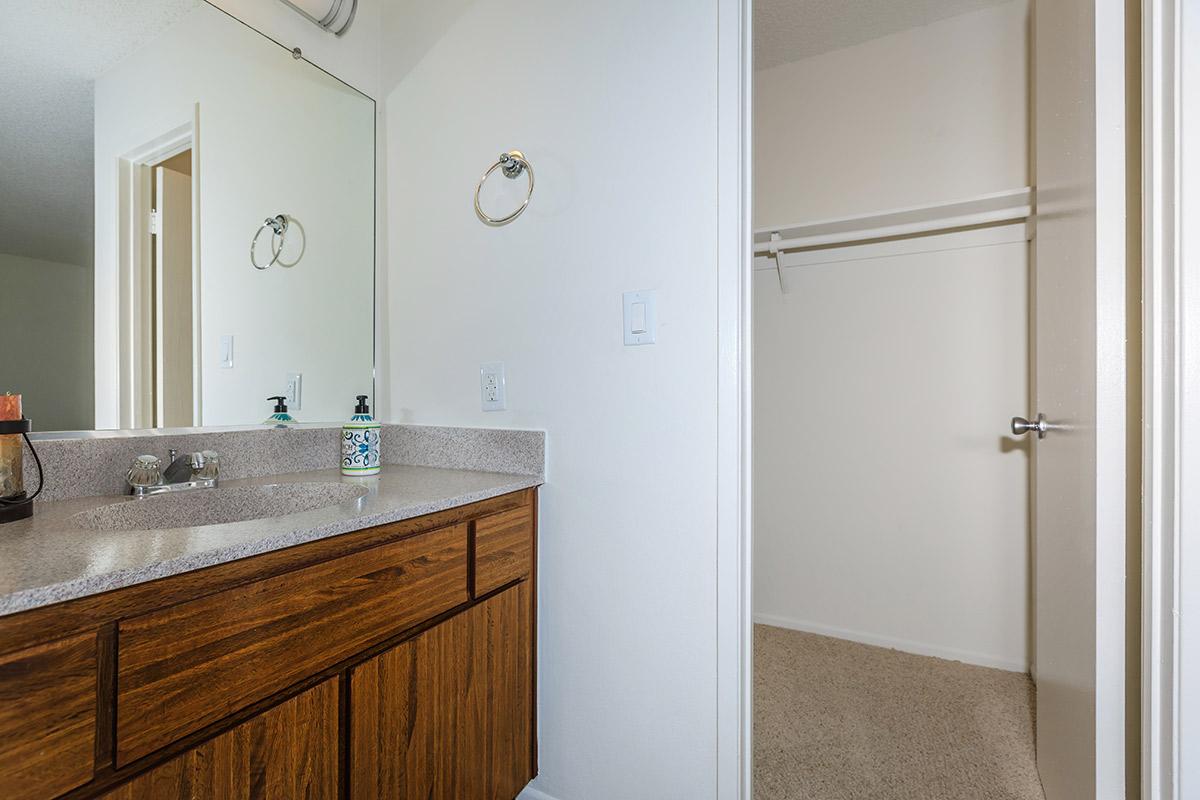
144	145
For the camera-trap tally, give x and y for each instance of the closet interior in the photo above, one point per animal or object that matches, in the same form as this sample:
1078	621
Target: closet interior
892	558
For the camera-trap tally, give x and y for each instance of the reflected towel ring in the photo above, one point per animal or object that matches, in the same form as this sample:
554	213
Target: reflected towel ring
278	225
512	163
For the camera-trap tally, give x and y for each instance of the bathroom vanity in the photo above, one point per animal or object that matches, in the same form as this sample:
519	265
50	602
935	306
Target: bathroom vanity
254	625
369	660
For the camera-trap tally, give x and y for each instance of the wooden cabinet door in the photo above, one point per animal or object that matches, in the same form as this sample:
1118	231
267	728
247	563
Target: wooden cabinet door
47	718
287	752
448	715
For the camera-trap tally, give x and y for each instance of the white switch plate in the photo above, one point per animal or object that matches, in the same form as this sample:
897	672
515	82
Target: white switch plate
491	386
294	385
226	355
641	317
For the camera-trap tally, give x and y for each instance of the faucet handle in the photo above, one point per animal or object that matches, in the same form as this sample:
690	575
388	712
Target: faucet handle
210	464
145	471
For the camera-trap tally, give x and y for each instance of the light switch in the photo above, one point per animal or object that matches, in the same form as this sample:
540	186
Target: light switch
641	317
226	353
638	323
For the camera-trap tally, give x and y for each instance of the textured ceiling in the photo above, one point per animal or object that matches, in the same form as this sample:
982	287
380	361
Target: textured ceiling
789	30
50	54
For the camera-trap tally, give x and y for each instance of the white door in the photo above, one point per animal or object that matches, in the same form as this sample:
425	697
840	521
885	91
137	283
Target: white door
173	299
1080	387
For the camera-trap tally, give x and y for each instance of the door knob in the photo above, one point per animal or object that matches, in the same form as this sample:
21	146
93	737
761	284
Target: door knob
1022	426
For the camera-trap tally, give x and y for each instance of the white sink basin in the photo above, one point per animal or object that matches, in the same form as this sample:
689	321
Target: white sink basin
216	506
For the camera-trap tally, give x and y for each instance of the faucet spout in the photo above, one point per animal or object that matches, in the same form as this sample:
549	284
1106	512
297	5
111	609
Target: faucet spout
181	468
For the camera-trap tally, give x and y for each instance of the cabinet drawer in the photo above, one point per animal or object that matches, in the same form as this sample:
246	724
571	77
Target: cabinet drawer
503	548
186	666
47	718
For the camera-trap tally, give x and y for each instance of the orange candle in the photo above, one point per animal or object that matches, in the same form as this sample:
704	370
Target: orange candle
10	407
12	482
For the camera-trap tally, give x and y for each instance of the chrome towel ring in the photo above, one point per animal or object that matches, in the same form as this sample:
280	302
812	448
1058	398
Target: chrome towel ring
278	225
512	164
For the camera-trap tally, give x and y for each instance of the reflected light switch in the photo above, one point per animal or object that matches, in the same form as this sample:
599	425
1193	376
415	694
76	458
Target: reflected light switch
226	352
641	317
638	318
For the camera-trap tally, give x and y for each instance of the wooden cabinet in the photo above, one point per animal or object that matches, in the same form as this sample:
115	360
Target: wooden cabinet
394	662
287	752
47	718
448	715
205	659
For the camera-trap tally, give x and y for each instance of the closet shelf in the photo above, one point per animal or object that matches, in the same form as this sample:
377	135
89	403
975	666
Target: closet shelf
1014	205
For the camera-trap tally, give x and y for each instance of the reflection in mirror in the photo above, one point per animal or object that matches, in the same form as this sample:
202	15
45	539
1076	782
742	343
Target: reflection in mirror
144	146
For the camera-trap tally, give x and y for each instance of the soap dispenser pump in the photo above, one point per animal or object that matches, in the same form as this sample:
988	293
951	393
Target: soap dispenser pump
281	418
360	442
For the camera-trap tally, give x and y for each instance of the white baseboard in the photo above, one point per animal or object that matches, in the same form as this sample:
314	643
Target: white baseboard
904	645
529	793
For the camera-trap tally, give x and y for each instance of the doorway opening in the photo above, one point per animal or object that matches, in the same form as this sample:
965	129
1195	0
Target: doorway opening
171	283
160	279
917	284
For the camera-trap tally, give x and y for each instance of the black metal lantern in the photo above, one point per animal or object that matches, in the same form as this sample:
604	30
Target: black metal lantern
15	503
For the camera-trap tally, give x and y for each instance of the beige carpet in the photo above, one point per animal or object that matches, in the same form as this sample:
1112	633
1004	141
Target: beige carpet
836	720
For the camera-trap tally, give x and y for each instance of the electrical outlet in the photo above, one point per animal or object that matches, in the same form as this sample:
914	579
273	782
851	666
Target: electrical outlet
293	390
491	386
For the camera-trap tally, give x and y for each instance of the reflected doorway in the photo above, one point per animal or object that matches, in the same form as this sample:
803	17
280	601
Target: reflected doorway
171	281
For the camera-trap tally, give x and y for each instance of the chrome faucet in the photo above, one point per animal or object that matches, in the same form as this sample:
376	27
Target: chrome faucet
184	472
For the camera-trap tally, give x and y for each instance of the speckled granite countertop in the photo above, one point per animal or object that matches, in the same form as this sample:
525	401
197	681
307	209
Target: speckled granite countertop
49	558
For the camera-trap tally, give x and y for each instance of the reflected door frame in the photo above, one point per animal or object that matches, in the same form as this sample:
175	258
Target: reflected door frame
135	363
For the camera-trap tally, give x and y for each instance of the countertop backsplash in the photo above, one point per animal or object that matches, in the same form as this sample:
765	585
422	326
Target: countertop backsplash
96	465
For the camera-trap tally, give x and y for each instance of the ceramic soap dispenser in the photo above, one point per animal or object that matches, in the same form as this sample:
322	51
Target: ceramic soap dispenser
360	442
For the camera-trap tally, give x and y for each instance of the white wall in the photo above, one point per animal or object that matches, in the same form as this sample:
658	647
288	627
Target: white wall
290	140
615	104
932	114
45	347
890	506
412	30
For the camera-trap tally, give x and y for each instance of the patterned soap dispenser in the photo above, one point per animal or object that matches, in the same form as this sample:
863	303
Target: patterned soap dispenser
360	442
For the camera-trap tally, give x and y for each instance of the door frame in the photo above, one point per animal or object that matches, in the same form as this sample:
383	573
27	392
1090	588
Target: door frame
1171	395
735	271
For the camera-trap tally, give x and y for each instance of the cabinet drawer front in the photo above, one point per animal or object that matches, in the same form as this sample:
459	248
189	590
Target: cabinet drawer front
47	718
503	548
186	666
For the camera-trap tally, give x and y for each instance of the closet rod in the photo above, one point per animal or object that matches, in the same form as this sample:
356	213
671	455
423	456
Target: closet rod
992	209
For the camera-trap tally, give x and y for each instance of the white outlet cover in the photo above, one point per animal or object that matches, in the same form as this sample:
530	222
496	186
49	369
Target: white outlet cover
491	386
294	390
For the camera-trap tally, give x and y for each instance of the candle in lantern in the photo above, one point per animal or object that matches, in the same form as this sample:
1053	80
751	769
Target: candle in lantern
12	482
10	407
